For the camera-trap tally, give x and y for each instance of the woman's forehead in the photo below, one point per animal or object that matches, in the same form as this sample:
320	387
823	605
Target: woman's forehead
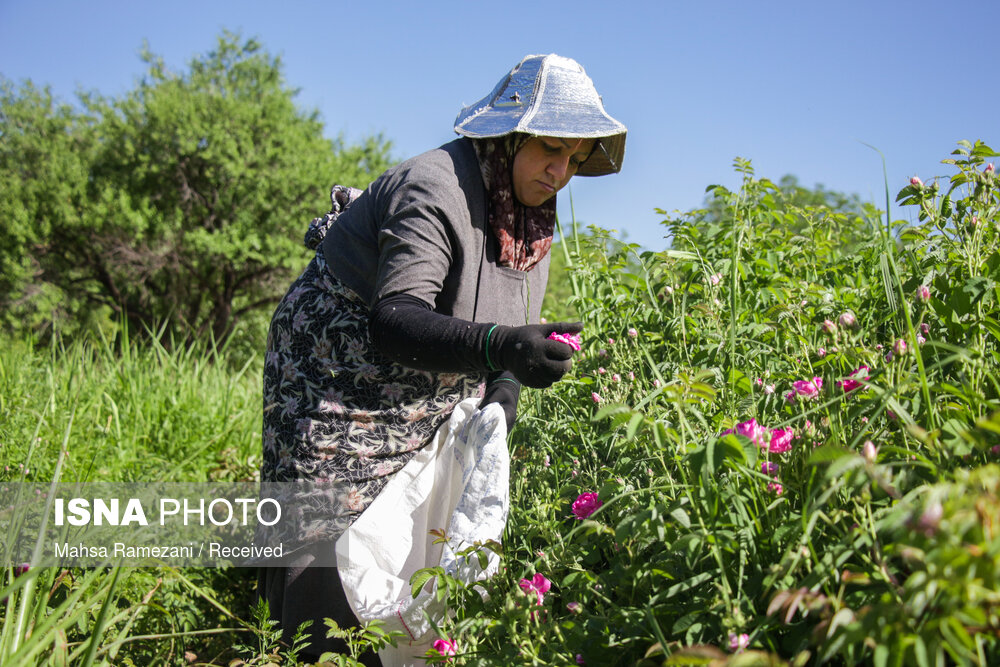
573	144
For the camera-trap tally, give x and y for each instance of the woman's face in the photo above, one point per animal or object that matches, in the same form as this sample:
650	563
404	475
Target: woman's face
543	165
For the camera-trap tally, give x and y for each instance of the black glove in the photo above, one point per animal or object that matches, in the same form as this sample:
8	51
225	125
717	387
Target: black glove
528	353
503	389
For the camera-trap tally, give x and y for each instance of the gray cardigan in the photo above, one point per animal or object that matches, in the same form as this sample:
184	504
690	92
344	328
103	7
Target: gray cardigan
421	229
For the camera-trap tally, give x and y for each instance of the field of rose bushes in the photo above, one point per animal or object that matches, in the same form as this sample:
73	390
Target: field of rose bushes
791	422
779	445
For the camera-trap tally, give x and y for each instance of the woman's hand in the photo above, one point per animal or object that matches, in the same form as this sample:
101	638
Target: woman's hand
504	390
528	353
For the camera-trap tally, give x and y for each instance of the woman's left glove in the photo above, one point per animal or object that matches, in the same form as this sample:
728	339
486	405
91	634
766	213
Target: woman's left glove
503	389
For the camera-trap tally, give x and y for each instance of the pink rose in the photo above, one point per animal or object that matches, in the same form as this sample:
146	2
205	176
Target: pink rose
445	646
853	382
586	504
808	388
781	440
538	585
750	429
573	340
916	182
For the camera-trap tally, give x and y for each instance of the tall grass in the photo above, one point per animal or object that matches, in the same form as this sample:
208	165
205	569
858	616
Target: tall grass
143	413
120	411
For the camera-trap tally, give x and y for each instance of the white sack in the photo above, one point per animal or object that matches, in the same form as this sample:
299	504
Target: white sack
459	483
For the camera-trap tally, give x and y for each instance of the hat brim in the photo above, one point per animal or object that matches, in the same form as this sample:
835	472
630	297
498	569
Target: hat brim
606	158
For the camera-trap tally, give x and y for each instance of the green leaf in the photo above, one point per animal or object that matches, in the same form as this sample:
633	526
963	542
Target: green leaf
696	655
610	410
633	425
689	583
681	517
920	654
975	287
419	578
911	234
681	255
741	381
828	454
881	655
982	150
844	464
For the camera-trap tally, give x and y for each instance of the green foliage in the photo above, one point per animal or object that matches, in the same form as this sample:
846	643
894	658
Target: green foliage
873	538
45	155
181	204
369	636
814	554
574	250
268	648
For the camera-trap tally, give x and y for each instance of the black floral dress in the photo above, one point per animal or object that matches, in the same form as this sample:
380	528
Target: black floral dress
337	412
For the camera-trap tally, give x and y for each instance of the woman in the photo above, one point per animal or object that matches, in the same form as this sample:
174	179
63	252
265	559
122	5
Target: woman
425	289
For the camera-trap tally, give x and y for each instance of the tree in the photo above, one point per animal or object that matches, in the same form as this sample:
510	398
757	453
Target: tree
181	204
45	155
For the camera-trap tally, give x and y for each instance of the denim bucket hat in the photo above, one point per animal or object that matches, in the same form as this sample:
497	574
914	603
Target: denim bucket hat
549	96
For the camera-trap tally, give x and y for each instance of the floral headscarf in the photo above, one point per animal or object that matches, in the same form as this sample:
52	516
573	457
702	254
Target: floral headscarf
523	233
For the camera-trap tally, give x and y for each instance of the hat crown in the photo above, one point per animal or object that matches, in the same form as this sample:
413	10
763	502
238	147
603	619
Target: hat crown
548	95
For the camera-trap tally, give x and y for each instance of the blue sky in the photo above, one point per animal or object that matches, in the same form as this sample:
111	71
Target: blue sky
794	86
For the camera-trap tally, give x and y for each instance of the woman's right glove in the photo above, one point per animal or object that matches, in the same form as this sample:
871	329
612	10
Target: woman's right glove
528	353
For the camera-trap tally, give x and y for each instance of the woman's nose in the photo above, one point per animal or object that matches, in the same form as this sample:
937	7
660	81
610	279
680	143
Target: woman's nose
559	167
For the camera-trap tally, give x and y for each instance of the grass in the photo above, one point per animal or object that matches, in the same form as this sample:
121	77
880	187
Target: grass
124	411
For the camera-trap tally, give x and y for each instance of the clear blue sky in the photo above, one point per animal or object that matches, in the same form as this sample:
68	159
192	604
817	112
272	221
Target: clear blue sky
795	86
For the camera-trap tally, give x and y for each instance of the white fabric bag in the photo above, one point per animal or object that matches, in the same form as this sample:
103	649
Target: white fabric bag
458	483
